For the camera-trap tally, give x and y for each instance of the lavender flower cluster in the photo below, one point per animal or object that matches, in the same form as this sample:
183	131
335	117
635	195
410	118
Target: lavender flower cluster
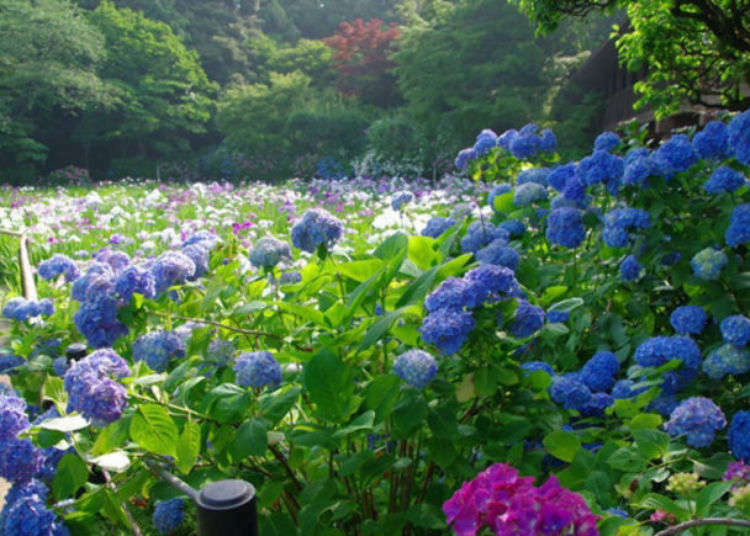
22	309
698	418
92	389
316	228
415	367
158	348
257	370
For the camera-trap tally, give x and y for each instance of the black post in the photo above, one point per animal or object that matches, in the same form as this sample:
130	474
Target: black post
227	508
75	351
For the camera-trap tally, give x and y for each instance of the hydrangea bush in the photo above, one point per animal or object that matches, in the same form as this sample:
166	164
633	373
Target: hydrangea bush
568	324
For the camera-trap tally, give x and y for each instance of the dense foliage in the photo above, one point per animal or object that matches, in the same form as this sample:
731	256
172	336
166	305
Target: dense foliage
552	349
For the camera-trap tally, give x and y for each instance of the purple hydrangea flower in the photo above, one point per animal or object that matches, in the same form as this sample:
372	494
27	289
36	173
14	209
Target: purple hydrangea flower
58	265
200	257
290	278
514	227
13	418
558	316
91	389
404	197
158	348
220	352
698	418
506	138
135	279
257	369
415	367
170	268
10	361
317	227
447	329
618	223
638	170
537	175
479	234
452	293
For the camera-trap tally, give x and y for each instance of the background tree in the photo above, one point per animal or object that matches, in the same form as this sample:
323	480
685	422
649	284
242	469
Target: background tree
695	50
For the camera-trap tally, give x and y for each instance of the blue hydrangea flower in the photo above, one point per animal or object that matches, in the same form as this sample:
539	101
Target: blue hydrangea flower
627	389
558	316
724	179
20	460
117	260
268	252
437	225
464	157
698	418
404	197
663	404
656	351
630	268
559	176
447	329
708	263
618	223
537	175
81	285
601	167
13	418
21	491
452	293
570	392
638	170
479	234
257	369
96	318
415	367
498	189
200	257
506	138
22	309
528	319
58	265
635	153
290	278
607	141
675	156
91	389
317	227
171	268
135	279
205	239
738	436
597	404
598	373
736	330
526	144
10	361
499	253
168	515
575	190
688	319
565	227
739	137
514	227
713	141
220	352
489	280
533	366
29	516
526	194
158	348
547	141
486	140
738	231
726	359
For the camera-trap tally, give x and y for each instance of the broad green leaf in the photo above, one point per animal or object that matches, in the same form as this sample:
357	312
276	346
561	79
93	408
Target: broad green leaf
251	440
377	330
112	436
381	394
503	202
566	305
709	495
70	475
360	270
329	383
562	445
188	447
274	406
154	430
421	251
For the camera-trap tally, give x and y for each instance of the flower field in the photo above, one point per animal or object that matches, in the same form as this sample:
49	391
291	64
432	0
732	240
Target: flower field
529	347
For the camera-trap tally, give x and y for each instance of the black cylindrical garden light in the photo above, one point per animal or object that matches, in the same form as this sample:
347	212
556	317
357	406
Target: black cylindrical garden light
75	351
227	508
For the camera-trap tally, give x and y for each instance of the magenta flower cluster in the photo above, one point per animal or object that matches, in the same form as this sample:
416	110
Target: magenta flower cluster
511	505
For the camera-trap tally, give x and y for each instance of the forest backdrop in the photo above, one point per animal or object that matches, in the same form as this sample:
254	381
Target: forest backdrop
268	89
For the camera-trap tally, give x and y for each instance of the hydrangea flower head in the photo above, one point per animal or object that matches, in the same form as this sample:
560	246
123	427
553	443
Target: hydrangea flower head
537	175
558	316
13	418
526	144
257	369
736	330
91	389
415	367
675	155
526	194
20	460
170	268
598	373
708	263
739	436
499	253
725	360
738	231
488	280
514	227
547	141
206	239
29	516
402	198
638	170
688	319
618	223
447	329
486	140
698	418
479	234
452	293
713	141
268	252
528	319
200	257
607	141
317	227
506	138
220	352
10	361
739	137
464	157
168	515
58	265
559	176
498	189
437	225
158	348
565	227
724	179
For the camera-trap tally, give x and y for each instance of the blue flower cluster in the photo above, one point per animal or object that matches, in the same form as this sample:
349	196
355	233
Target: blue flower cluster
514	227
91	388
537	175
708	263
586	391
8	362
402	198
712	142
58	265
698	418
618	223
499	253
200	257
630	268
526	194
533	366
290	278
22	309
20	459
601	167
565	227
527	142
739	137
317	227
724	179
415	367
135	279
726	359
220	352
158	348
688	319
171	268
528	320
437	225
738	436
675	156
447	329
738	231
498	189
26	514
96	318
257	369
736	330
656	351
464	157
168	515
479	234
558	316
268	252
607	141
598	373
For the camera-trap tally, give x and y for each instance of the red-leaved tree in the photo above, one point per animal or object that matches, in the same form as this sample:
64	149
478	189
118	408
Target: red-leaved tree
361	51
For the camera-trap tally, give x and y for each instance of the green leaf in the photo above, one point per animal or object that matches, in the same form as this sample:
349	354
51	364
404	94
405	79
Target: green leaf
70	475
381	394
111	436
566	305
645	421
362	270
154	430
503	202
274	406
188	447
408	415
393	246
251	440
651	443
362	422
421	251
54	390
562	445
709	495
379	328
418	289
652	501
627	459
328	381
